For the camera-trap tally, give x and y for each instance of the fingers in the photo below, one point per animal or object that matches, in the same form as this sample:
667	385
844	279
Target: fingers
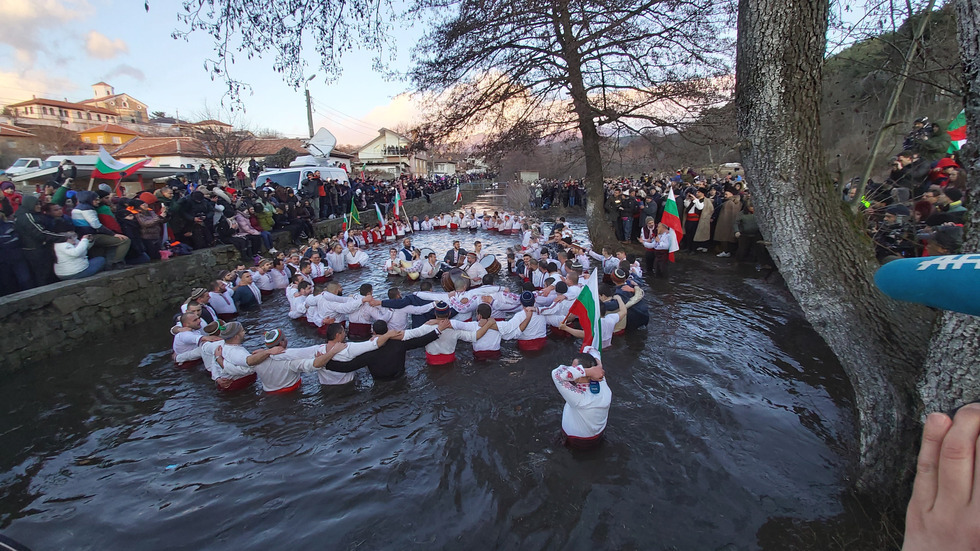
957	459
926	477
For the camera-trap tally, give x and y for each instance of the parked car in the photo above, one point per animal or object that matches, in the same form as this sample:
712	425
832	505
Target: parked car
22	165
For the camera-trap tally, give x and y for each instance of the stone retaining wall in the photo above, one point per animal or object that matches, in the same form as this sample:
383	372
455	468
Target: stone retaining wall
43	322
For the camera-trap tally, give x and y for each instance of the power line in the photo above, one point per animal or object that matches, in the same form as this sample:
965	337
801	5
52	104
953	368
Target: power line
338	123
355	120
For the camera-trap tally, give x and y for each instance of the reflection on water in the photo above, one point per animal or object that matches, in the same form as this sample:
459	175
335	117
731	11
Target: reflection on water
729	415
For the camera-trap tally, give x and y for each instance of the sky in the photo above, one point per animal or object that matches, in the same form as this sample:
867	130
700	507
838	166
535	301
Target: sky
58	48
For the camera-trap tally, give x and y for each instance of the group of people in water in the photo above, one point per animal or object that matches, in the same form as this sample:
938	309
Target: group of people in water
475	303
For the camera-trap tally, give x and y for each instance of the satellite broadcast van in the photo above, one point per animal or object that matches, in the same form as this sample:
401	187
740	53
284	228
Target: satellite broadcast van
321	144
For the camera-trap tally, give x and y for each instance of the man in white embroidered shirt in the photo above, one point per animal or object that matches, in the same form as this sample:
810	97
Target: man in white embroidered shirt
587	399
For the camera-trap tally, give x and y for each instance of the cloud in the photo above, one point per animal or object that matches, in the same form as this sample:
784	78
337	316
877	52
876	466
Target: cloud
20	86
25	22
125	70
101	46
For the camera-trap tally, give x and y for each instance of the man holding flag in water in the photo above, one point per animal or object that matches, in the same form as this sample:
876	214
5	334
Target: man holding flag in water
583	384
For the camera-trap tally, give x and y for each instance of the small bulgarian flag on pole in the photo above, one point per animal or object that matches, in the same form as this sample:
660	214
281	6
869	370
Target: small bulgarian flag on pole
343	228
586	307
398	203
957	132
673	221
354	218
459	196
381	217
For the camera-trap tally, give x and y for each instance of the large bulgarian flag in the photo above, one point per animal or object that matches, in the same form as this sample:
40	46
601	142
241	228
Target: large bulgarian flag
586	307
673	221
957	132
107	168
398	203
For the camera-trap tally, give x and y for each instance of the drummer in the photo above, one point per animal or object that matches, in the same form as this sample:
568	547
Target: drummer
431	267
473	269
478	250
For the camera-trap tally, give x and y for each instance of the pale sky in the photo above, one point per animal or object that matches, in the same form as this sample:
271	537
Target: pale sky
59	48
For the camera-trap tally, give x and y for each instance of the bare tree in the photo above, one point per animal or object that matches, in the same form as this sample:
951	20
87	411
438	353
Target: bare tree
519	72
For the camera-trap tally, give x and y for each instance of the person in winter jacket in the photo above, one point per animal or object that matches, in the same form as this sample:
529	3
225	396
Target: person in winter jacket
11	199
73	261
85	218
35	241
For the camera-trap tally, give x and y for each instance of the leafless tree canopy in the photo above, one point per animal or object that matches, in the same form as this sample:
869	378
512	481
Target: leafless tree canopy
508	70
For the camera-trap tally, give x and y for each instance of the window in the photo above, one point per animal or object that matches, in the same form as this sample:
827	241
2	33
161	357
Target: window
32	110
89	116
100	139
78	114
98	117
87	139
44	110
116	140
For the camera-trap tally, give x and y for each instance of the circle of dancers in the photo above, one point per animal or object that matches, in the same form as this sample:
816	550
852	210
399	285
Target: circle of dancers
462	296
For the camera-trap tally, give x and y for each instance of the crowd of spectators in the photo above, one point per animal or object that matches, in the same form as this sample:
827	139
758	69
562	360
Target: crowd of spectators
65	231
919	208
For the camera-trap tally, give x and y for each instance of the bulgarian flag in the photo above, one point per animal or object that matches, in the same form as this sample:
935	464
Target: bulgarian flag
957	132
586	307
343	228
398	203
354	218
381	217
107	168
673	221
459	196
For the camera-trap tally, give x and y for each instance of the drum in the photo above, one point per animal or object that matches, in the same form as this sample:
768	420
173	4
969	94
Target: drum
424	252
490	264
409	273
455	280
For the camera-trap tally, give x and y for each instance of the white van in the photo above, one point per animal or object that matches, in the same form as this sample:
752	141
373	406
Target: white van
292	176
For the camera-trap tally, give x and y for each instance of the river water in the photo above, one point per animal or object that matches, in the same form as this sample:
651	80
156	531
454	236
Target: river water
731	428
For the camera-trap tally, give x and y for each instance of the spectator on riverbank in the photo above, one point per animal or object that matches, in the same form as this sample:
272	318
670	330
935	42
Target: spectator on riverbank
72	258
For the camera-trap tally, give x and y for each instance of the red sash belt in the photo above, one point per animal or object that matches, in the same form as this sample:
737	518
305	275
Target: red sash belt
359	331
440	359
558	333
454	226
354	265
239	384
289	388
531	345
619	333
486	354
320	280
693	217
265	292
582	443
188	364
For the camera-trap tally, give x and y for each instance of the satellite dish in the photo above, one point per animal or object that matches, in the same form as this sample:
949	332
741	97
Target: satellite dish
322	143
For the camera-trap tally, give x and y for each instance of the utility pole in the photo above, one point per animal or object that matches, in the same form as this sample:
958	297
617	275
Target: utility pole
309	112
309	104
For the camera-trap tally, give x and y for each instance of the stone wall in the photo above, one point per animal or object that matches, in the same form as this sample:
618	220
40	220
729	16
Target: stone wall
51	320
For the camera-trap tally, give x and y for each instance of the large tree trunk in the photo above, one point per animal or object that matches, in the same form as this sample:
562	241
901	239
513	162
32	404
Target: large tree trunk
952	372
827	264
600	232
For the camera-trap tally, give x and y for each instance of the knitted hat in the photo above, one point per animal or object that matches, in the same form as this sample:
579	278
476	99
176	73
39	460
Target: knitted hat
442	309
213	328
198	292
148	197
231	330
272	336
527	298
106	188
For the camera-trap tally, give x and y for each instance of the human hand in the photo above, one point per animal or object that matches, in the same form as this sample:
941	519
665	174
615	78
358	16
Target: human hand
444	324
328	321
119	236
941	513
375	302
276	350
529	310
738	234
217	353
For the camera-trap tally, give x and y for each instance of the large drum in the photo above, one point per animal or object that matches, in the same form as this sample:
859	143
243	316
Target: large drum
490	264
424	253
455	280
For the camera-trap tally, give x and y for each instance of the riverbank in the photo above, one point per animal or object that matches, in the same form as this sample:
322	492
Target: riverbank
57	319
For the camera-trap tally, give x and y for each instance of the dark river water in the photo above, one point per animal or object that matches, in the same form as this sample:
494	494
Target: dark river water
731	428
